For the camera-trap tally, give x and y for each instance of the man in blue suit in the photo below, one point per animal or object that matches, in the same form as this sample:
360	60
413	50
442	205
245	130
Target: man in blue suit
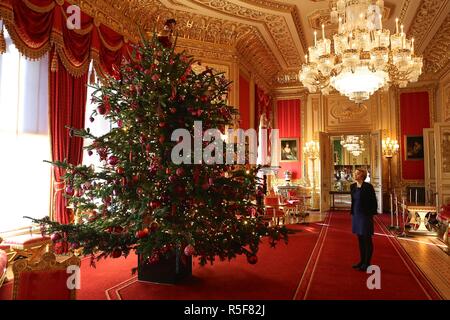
364	207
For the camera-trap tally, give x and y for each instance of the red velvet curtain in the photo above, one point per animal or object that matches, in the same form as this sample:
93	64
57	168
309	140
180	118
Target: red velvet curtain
67	108
39	26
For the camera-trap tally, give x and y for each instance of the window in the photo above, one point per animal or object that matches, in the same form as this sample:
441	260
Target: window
24	139
99	127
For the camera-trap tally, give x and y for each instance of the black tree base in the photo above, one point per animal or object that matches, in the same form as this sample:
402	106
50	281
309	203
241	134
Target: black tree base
168	270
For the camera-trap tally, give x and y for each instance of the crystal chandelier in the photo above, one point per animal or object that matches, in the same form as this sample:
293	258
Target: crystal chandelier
364	56
354	144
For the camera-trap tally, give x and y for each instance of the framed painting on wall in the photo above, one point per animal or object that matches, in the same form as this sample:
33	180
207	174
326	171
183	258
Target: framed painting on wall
289	149
414	148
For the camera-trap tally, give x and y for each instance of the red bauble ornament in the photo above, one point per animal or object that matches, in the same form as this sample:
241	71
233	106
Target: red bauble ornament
101	110
74	245
252	259
113	160
189	250
155	204
116	253
56	236
142	233
162	124
70	191
92	216
120	170
139	190
154	226
162	139
180	172
172	178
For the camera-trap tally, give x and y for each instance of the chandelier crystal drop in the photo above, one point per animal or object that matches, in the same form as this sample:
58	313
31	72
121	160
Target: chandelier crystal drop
364	57
354	144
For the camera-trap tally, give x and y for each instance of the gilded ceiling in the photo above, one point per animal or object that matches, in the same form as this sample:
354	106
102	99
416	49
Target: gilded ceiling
272	36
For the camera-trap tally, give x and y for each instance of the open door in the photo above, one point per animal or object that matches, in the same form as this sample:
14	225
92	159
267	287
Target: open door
325	171
376	166
430	166
442	143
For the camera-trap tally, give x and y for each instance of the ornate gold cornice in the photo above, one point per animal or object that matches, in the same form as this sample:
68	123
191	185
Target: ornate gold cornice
436	55
275	24
292	9
264	63
425	18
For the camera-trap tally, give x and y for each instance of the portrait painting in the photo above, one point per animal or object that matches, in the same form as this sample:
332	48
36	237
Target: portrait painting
289	149
414	148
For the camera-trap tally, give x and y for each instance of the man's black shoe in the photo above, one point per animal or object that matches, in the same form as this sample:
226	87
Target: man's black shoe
357	266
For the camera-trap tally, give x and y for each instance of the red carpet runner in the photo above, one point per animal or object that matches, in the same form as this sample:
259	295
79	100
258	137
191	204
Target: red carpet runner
329	274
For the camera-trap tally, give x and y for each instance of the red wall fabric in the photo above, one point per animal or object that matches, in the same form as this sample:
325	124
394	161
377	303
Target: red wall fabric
67	108
289	124
244	102
414	117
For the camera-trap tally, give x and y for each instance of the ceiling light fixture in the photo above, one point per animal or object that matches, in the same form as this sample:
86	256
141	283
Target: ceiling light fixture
364	56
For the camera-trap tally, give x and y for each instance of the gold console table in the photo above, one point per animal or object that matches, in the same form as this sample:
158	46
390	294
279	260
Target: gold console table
421	210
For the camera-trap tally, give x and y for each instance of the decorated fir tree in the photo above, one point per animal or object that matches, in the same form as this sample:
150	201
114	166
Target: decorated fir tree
140	199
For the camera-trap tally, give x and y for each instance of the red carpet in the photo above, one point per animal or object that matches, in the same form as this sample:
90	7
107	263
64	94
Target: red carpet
274	277
330	276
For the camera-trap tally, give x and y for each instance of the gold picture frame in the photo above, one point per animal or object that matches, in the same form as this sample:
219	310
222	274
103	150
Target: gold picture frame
289	150
413	146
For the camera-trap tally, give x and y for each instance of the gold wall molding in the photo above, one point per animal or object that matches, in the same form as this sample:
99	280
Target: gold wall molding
446	102
445	147
341	114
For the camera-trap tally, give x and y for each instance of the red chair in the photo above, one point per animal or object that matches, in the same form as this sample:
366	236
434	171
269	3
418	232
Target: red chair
273	210
45	280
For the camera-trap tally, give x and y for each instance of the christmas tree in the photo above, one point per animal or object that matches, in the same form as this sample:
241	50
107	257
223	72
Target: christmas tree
140	199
